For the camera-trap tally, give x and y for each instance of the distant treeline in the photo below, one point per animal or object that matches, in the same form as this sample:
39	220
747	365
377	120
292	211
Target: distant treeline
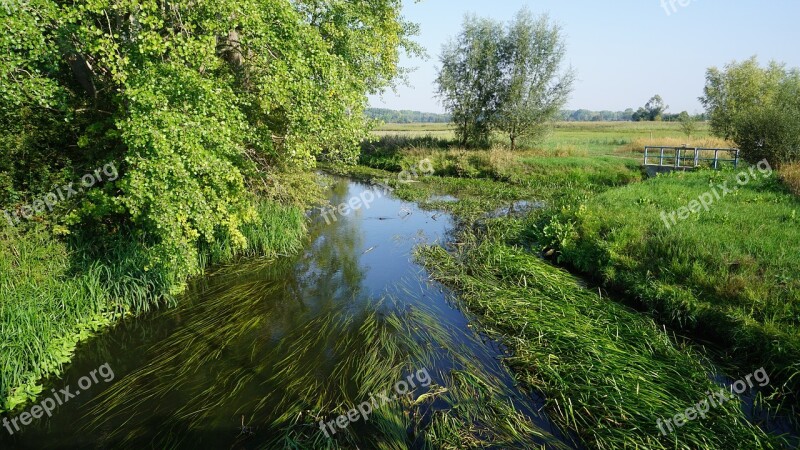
580	115
584	115
392	116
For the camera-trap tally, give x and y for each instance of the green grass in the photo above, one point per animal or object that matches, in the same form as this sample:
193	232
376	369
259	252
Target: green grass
55	293
728	274
608	373
44	311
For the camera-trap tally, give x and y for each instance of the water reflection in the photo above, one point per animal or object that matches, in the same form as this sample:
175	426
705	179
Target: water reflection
257	353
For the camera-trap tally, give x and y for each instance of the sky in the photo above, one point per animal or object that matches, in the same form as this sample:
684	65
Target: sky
624	51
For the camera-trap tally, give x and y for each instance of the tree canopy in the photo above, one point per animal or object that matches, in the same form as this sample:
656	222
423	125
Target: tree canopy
653	110
533	87
194	100
504	77
757	108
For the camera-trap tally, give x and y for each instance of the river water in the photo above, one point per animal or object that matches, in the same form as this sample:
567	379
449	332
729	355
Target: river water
252	347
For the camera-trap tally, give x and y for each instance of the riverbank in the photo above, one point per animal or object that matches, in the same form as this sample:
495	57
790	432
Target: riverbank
497	267
719	265
57	292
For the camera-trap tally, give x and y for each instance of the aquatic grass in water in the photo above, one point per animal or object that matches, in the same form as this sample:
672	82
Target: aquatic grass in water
608	373
315	371
54	294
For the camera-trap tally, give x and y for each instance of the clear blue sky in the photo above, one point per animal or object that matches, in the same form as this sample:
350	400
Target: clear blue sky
624	51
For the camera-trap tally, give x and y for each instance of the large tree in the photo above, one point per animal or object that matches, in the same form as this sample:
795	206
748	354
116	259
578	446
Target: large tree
505	78
533	87
469	78
190	98
757	108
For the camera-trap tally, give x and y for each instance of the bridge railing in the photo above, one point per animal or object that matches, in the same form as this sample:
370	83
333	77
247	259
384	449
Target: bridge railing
690	157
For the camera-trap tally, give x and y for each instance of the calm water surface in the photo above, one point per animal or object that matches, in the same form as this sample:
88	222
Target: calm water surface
250	342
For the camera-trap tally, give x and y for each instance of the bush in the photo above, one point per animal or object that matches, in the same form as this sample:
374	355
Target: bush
758	108
790	174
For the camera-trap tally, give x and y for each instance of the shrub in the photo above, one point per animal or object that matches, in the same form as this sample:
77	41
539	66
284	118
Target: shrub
758	108
790	174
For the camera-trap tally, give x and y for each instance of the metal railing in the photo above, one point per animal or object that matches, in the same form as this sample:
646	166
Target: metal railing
678	157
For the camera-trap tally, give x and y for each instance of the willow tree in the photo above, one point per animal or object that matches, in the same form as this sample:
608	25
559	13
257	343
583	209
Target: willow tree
534	87
469	77
505	78
190	98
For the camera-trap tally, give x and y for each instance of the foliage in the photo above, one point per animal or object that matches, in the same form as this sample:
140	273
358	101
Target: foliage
502	78
652	111
202	106
758	108
404	116
193	101
533	88
688	124
585	115
469	78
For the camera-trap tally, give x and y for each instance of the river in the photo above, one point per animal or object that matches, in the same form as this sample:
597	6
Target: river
254	349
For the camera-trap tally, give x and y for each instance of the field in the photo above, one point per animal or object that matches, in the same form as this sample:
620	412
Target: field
725	278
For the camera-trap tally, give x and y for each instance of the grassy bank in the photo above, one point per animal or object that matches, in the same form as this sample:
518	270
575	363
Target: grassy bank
55	292
608	373
728	274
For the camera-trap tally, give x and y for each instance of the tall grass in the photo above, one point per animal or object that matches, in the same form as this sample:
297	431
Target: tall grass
790	174
727	274
55	293
608	373
638	145
44	311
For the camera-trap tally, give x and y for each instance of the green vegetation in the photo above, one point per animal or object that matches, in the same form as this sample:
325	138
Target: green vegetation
607	372
56	293
392	116
213	113
790	174
758	108
725	276
652	111
506	79
216	114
